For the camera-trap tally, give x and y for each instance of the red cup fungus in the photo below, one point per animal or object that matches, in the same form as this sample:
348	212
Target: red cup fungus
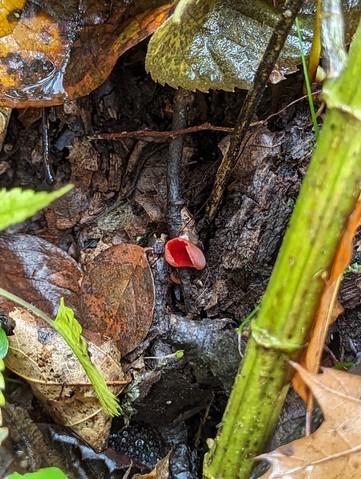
181	253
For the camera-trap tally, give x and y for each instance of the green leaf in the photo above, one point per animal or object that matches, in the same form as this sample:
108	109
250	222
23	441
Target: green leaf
218	44
70	329
45	473
4	345
17	204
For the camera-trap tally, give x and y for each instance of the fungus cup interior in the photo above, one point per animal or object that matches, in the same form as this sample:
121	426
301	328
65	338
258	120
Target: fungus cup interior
181	253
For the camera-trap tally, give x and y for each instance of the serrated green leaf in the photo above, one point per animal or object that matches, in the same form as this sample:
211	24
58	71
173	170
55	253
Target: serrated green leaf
70	329
17	204
4	346
45	473
218	44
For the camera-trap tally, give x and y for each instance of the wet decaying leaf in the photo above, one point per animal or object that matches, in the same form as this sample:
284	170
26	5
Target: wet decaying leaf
39	355
219	44
52	51
333	451
116	295
41	273
118	286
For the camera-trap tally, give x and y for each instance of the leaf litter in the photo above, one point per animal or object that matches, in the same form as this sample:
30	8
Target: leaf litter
38	354
333	451
218	301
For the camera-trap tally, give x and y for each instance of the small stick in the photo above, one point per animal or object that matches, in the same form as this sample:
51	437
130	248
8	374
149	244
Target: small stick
49	172
165	135
159	134
182	101
250	105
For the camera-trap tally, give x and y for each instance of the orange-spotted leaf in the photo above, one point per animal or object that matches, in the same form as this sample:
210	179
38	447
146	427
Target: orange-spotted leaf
118	295
52	51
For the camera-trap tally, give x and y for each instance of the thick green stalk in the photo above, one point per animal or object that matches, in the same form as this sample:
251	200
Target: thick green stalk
327	197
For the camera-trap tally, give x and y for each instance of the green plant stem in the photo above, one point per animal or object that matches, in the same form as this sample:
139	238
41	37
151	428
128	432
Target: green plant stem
328	195
28	306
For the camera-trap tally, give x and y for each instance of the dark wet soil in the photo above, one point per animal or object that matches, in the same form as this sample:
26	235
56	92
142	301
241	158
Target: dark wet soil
119	196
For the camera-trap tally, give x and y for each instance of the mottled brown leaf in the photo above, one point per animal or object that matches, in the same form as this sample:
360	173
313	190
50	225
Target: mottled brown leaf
118	295
115	305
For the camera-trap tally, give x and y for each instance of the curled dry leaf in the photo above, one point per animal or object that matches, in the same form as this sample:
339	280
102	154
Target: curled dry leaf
333	451
122	295
52	51
42	357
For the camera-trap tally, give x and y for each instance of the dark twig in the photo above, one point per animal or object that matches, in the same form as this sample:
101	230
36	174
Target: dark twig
159	134
182	101
166	135
250	105
49	172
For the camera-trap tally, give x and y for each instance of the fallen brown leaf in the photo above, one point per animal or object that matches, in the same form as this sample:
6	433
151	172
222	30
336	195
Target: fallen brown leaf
334	450
118	295
40	355
39	272
54	51
115	310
